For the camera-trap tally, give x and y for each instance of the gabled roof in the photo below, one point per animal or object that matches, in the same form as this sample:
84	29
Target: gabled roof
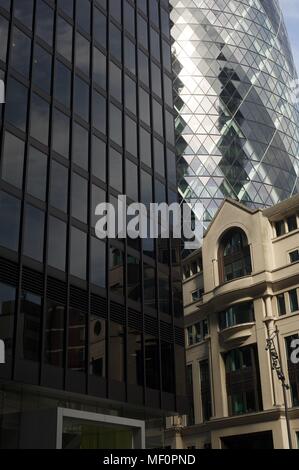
232	202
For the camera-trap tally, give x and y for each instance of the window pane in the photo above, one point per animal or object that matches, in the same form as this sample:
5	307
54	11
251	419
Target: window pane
81	98
42	69
37	174
80	146
13	160
44	22
82	54
98	263
152	361
79	198
132	180
115	42
100	27
61	133
77	340
59	186
83	14
30	326
99	68
130	94
135	358
145	147
115	82
97	358
78	253
116	127
64	38
116	275
54	334
16	104
67	6
98	197
40	117
62	84
116	170
167	360
7	311
34	233
98	158
57	243
117	352
10	209
99	112
21	52
131	136
3	38
294	304
149	274
134	285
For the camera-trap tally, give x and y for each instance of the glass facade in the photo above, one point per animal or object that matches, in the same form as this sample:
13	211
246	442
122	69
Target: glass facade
88	99
236	125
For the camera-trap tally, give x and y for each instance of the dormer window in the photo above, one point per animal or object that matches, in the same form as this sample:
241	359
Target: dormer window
234	256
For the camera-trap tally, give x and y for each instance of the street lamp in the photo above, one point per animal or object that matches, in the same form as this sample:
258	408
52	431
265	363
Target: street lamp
276	363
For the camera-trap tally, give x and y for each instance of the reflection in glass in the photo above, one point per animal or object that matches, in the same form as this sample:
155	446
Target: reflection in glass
149	274
117	352
54	334
30	326
97	353
116	274
7	311
135	358
76	340
152	361
133	279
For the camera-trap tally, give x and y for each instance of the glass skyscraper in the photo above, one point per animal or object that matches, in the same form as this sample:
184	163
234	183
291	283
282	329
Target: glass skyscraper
237	125
87	324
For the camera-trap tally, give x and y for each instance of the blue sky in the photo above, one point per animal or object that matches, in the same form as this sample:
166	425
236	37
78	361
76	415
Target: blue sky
291	13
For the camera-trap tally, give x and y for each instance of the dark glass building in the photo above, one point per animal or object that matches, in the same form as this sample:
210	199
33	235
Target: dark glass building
88	325
237	121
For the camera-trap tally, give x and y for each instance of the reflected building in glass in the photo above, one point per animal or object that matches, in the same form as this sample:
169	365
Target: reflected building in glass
237	124
88	324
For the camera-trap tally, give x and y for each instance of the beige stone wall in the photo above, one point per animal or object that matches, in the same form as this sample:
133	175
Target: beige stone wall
272	274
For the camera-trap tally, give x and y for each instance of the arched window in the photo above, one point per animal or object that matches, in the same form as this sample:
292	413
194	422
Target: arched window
234	256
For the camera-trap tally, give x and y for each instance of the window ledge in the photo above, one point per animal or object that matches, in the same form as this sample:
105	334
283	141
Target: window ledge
238	333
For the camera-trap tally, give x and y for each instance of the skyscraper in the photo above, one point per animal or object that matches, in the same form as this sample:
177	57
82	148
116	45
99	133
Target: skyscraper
88	325
237	125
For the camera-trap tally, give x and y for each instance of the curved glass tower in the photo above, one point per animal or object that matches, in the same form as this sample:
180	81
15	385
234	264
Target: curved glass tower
237	124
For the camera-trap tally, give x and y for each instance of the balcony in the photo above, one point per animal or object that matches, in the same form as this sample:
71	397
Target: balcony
237	333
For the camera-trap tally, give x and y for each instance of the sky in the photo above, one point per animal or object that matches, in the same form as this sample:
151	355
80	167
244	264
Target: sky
291	13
